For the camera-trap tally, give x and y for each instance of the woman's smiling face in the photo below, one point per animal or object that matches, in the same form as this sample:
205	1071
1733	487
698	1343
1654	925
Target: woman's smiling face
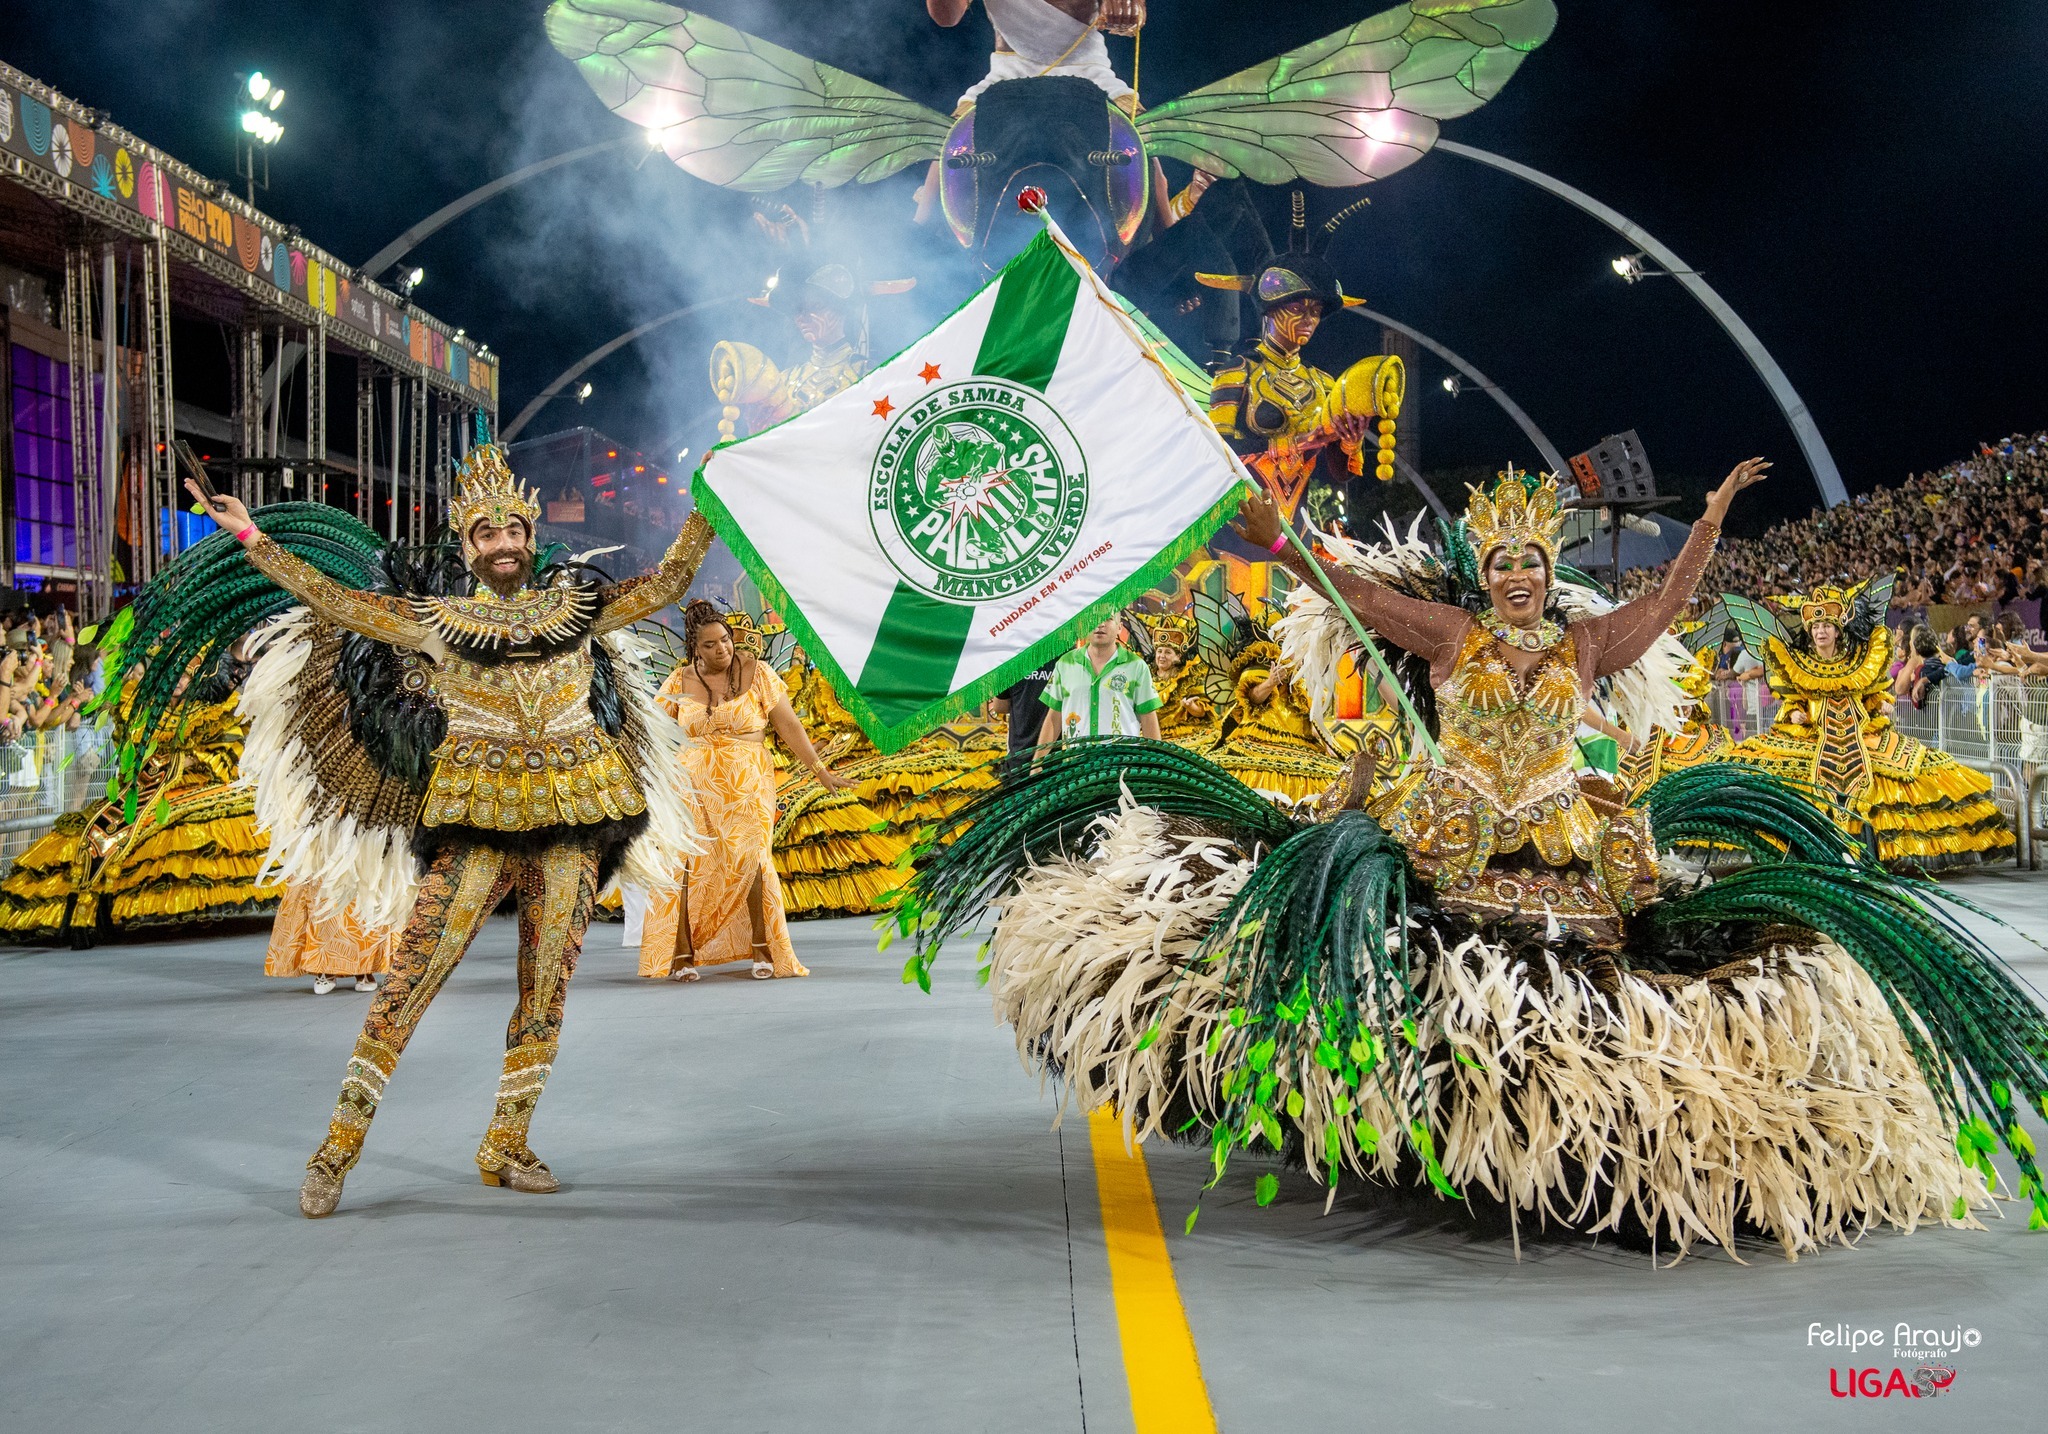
1518	582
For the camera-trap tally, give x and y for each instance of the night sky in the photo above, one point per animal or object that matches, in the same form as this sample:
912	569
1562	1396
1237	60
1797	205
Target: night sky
1861	181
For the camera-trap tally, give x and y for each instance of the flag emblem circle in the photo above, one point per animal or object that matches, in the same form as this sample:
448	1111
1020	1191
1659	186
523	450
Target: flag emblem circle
978	491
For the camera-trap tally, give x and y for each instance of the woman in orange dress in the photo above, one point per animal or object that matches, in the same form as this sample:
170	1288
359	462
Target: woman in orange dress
304	943
729	903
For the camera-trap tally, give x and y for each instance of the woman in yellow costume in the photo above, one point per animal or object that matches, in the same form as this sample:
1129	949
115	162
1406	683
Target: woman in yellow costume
1698	739
729	907
1827	656
841	853
173	843
1187	714
1267	738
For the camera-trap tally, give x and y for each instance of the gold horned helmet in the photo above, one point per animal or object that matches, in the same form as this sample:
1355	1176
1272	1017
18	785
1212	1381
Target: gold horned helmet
486	492
1828	604
1170	629
746	634
1521	512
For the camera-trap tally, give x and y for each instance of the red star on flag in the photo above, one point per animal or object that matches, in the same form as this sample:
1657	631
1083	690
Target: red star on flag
929	372
883	408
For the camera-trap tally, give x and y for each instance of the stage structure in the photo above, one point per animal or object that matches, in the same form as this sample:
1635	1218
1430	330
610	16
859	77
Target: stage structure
104	240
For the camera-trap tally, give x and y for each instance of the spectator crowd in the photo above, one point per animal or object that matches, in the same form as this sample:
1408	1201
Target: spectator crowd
1968	533
45	676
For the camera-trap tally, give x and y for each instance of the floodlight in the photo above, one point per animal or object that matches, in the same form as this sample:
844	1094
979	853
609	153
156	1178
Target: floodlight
583	392
259	86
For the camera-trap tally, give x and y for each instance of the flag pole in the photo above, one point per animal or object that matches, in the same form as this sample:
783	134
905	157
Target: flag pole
1032	201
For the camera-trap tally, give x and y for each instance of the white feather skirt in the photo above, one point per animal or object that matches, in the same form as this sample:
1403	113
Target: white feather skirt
1781	1099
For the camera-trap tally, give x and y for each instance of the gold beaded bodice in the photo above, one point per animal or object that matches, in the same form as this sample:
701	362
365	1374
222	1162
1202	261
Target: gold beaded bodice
522	749
1510	738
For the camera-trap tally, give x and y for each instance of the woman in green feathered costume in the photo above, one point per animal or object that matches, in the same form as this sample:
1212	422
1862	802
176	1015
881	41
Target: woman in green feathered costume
1493	978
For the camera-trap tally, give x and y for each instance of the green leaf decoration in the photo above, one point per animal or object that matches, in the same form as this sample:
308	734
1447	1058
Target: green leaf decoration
1193	1215
1294	1105
1265	1188
1269	1124
1261	1055
1464	1059
1150	1036
1960	1210
128	807
1367	1135
163	811
910	969
982	973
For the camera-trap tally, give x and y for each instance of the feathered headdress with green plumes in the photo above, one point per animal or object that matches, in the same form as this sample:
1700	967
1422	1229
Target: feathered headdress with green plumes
212	595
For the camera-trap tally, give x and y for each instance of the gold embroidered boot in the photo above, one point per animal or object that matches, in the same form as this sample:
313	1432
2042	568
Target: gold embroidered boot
503	1158
368	1071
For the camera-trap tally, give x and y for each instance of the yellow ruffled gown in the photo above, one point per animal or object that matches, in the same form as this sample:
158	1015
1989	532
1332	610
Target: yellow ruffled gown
834	852
1697	740
1273	746
1927	808
190	854
1194	727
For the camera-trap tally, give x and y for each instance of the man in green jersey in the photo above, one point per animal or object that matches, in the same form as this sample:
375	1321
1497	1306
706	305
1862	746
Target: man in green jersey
1102	689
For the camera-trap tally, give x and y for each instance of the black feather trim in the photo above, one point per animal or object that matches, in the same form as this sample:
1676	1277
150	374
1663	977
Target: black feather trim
399	729
606	705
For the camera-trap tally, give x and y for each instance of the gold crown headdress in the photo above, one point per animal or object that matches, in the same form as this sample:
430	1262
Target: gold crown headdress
1521	512
1173	629
486	491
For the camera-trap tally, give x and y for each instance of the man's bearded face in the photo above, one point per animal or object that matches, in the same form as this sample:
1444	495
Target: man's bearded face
504	556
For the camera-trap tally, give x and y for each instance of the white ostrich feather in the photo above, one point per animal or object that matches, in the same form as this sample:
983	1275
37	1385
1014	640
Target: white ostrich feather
367	871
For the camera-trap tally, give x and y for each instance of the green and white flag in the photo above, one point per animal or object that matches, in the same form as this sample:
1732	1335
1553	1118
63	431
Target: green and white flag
970	508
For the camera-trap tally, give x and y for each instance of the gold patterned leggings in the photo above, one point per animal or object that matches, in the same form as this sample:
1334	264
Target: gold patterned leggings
465	881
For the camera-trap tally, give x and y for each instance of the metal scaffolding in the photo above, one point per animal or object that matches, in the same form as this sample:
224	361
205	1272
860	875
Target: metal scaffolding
137	236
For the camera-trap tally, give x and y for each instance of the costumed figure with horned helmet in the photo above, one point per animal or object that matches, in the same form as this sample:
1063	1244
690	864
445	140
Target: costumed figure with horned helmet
1285	417
430	730
1827	656
1485	977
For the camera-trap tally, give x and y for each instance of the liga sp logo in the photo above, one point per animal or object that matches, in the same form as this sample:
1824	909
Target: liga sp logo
978	491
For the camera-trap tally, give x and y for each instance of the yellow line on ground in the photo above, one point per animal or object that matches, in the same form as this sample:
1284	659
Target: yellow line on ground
1167	1392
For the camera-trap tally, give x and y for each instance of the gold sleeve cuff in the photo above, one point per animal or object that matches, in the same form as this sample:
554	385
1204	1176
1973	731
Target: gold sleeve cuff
649	593
379	618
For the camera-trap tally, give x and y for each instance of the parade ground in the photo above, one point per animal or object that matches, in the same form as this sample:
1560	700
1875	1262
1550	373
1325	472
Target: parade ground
828	1204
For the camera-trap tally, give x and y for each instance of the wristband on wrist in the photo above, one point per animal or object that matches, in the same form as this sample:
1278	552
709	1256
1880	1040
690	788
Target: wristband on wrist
1279	544
244	534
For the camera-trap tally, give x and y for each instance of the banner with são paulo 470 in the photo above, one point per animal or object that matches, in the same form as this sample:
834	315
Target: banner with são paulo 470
967	510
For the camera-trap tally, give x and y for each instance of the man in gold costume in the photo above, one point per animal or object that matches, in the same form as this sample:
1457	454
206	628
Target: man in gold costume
542	760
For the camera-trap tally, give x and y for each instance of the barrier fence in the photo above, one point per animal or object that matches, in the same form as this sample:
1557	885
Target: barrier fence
42	776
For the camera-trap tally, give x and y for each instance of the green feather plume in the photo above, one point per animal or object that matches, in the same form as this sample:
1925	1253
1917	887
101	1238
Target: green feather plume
1977	1035
1724	805
212	595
